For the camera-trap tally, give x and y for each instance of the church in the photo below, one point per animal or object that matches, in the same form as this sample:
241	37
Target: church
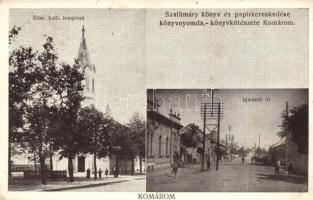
81	162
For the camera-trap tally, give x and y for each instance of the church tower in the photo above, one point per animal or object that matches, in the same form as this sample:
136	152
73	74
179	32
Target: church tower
83	162
89	69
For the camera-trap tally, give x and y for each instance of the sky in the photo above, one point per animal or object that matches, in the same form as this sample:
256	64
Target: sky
115	44
247	119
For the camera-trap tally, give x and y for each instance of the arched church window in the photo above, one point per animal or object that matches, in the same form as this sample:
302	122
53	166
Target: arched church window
93	85
87	83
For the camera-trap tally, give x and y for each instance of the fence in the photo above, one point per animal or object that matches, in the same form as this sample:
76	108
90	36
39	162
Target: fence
51	174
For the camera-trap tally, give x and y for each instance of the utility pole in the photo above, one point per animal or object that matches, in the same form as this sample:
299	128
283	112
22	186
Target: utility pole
218	134
254	149
232	144
230	151
226	148
286	142
259	146
226	141
211	113
203	140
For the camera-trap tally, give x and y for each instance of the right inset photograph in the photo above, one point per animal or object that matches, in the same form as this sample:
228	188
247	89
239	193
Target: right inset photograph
227	140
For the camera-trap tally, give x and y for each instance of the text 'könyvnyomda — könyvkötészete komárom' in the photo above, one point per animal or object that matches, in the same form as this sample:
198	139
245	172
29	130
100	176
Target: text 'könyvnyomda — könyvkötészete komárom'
225	18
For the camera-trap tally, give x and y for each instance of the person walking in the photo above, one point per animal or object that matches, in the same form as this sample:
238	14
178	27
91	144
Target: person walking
277	166
290	168
100	173
88	173
243	159
208	162
175	164
106	172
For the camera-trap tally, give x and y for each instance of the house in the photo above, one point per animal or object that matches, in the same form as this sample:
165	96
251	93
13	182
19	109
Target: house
162	138
194	154
286	150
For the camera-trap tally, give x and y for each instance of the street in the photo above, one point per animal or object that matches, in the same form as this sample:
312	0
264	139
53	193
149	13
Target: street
127	186
235	177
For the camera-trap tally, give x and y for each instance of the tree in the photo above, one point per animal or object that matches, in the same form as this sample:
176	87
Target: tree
13	33
31	97
258	151
70	94
22	62
41	104
119	143
190	135
137	135
296	127
94	126
44	100
38	135
242	152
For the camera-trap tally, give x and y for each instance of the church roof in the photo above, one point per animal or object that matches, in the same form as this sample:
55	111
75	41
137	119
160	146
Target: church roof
83	53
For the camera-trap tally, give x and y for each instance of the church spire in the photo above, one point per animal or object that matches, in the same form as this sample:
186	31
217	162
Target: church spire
83	54
83	31
89	70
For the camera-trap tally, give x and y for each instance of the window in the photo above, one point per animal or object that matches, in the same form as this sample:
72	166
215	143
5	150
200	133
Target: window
166	150
148	141
160	146
93	85
151	142
87	83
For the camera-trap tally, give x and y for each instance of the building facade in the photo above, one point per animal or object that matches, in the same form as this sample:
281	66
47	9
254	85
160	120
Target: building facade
162	138
83	162
194	154
286	151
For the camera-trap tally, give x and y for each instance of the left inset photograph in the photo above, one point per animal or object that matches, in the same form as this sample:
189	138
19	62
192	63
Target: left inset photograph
76	100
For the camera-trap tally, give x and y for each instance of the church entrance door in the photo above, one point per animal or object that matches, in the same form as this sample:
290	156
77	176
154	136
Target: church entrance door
81	164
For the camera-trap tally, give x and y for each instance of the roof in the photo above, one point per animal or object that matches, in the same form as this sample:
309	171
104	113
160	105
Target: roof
221	145
208	137
282	142
162	119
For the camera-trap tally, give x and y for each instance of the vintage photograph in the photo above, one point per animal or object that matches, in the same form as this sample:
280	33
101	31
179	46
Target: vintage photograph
227	140
159	100
74	123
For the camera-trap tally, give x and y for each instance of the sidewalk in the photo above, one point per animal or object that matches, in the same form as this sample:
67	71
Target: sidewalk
19	183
